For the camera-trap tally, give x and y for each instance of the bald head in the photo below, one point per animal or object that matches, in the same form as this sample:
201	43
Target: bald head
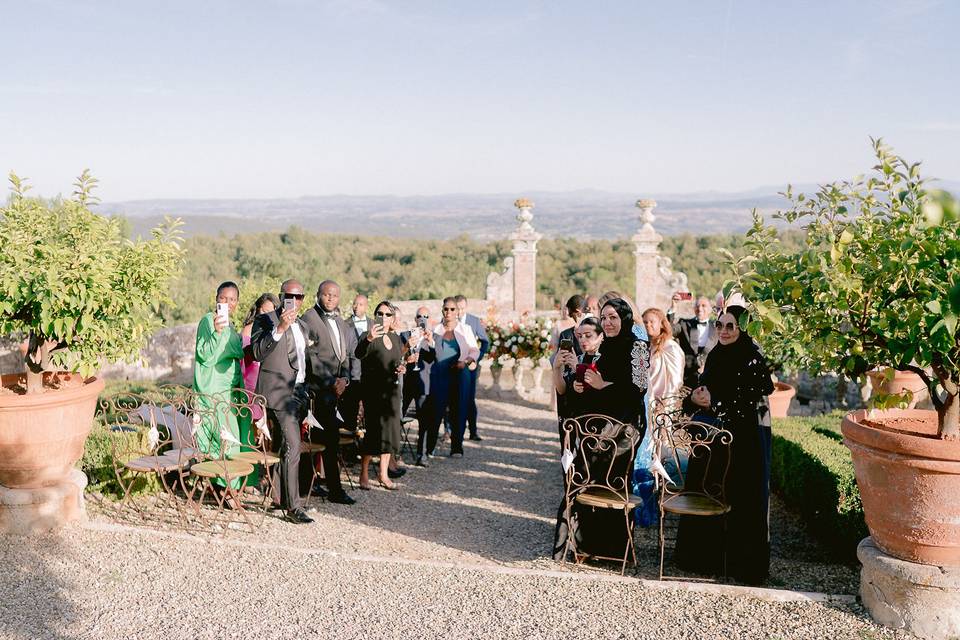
360	304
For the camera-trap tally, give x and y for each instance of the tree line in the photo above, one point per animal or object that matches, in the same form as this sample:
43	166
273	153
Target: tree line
410	268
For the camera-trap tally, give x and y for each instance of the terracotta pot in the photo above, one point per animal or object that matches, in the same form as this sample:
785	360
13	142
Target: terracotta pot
902	381
780	399
909	483
42	435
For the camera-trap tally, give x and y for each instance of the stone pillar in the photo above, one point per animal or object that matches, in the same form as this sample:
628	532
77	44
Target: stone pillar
646	241
524	240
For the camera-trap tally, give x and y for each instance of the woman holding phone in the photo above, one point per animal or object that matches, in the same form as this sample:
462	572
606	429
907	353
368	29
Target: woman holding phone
219	352
569	371
250	368
381	361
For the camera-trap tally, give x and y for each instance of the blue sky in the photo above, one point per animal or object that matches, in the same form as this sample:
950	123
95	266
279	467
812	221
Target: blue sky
283	98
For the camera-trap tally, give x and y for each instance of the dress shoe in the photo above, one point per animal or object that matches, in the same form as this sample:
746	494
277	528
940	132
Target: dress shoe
399	473
456	454
421	462
318	490
298	516
475	437
341	498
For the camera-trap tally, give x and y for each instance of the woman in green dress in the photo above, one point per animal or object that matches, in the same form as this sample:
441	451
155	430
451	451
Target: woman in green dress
216	373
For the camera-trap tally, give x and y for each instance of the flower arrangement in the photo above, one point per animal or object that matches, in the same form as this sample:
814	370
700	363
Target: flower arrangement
529	338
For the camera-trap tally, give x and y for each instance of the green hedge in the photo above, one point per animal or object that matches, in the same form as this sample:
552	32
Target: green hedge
812	470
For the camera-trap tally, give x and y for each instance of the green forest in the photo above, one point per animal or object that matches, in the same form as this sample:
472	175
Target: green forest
408	269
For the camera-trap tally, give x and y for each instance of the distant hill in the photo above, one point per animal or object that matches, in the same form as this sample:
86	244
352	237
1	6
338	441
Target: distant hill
588	214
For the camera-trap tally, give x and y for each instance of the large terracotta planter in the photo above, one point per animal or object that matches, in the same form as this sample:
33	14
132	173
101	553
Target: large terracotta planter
42	435
909	483
780	399
902	381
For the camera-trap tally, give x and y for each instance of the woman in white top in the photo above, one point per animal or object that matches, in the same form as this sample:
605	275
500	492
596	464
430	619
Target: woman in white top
666	356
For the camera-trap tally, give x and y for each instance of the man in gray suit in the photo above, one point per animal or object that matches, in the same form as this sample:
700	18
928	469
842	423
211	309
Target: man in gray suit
474	323
696	336
279	343
333	368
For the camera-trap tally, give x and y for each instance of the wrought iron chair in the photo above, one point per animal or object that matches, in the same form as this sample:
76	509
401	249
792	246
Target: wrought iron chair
218	476
255	447
697	454
149	444
599	475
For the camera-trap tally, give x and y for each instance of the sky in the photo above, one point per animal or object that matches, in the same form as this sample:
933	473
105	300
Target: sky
286	98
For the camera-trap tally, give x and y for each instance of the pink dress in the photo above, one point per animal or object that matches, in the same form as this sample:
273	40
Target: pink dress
250	369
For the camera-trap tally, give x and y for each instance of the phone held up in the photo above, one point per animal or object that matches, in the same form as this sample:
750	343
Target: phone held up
289	303
582	370
223	311
685	295
566	344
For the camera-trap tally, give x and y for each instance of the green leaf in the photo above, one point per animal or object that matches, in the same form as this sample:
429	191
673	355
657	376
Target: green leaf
933	306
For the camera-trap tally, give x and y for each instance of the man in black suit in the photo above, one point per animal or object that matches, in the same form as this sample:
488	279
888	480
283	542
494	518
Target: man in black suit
278	342
696	336
476	325
359	321
333	367
416	383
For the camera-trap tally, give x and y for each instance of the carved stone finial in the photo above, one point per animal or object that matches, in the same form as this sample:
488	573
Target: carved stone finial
646	207
525	216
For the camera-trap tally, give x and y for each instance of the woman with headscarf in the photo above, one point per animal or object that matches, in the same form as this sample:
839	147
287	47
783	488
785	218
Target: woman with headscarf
733	389
616	387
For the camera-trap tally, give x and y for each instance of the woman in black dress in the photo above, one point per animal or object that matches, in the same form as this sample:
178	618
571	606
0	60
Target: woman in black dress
733	389
381	360
616	388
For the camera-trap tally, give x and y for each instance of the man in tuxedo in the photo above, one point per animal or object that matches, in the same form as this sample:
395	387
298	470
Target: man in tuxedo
279	342
332	368
474	323
359	321
416	383
696	336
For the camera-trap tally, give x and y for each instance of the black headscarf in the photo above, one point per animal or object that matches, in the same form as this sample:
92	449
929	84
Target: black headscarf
624	361
618	347
737	374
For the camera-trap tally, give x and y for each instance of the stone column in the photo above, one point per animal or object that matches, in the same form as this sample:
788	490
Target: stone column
646	241
524	240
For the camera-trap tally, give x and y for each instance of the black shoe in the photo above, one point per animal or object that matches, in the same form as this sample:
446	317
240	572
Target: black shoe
421	462
298	516
399	473
341	498
475	437
318	490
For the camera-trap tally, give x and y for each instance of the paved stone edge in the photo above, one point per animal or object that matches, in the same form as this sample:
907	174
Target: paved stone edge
760	593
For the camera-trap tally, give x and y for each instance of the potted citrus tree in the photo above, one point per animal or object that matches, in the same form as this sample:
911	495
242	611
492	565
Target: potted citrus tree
876	284
78	294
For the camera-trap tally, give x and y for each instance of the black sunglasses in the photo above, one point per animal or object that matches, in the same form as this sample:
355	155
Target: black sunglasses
449	308
719	325
423	316
381	314
295	296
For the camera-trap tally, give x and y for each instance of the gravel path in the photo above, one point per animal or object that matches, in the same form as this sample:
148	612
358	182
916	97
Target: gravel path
462	549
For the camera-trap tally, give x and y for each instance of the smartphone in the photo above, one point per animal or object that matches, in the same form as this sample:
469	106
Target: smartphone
582	370
378	320
685	295
223	311
289	303
566	344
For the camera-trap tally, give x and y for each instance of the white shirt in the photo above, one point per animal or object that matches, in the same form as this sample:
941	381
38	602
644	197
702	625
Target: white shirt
301	347
704	333
360	324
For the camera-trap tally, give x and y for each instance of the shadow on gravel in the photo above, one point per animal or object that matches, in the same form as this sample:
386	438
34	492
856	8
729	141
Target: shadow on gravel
35	602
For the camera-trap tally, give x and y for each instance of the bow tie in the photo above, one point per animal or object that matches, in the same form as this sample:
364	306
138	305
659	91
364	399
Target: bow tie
327	315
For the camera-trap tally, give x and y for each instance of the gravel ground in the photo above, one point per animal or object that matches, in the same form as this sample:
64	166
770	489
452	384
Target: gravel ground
463	548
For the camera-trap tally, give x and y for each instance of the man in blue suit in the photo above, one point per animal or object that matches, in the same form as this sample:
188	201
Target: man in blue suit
474	323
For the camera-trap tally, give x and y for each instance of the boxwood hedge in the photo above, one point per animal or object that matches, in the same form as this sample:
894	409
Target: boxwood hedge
812	470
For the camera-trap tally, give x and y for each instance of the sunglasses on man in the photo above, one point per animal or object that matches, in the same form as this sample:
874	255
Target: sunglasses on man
423	316
293	296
